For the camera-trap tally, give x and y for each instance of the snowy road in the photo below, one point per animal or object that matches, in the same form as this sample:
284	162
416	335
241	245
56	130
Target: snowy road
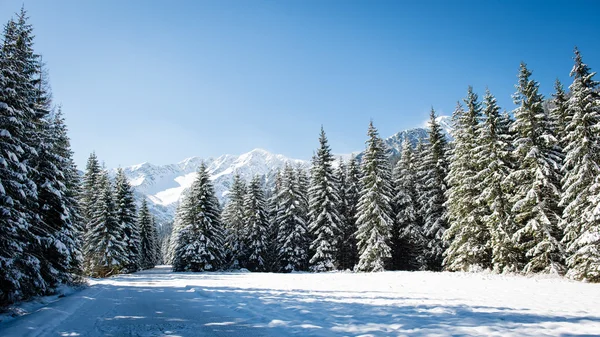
160	303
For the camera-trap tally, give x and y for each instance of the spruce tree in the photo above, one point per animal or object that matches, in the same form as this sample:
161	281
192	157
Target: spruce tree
534	182
55	225
374	211
433	197
494	157
146	247
291	221
105	250
74	221
559	115
154	246
88	193
235	224
420	173
257	224
468	236
126	217
407	234
324	219
200	238
273	202
348	180
581	167
20	277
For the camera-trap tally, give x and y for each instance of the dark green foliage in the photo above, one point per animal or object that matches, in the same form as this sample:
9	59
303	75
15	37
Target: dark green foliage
324	217
432	198
374	213
200	238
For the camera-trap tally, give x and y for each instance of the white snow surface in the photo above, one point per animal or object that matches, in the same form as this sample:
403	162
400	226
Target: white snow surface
158	302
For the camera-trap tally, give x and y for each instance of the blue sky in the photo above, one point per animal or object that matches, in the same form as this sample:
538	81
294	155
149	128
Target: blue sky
160	81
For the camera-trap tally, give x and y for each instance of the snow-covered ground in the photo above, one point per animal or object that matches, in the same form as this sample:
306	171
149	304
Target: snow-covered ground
160	303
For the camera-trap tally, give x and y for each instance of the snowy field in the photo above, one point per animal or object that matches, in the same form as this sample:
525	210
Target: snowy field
160	303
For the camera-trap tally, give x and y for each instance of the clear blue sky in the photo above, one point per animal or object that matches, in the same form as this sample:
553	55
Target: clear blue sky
160	81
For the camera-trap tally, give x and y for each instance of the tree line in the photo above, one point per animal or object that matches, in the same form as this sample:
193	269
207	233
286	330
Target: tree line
513	192
117	238
54	227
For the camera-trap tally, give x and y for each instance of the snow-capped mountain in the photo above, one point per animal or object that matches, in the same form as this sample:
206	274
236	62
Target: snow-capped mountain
163	186
394	142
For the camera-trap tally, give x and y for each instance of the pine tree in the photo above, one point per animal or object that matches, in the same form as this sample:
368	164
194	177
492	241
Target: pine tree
348	176
55	227
468	237
88	193
291	221
374	211
257	224
164	239
234	222
20	277
534	181
126	217
154	246
493	154
581	185
105	250
559	115
325	220
432	198
407	235
302	183
200	239
73	224
44	249
273	202
146	247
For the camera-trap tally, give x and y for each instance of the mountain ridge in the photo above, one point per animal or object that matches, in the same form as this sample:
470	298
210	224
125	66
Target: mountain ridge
164	185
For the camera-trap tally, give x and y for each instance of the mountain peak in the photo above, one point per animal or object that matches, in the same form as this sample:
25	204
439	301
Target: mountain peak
164	185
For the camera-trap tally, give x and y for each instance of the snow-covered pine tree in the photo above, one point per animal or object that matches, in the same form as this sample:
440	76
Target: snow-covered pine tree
72	183
20	277
234	222
88	193
374	210
146	247
200	239
154	246
349	189
33	93
59	244
559	115
164	238
420	171
105	250
433	198
272	256
126	217
302	183
324	219
493	154
169	256
468	236
291	222
257	224
581	184
534	182
407	235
